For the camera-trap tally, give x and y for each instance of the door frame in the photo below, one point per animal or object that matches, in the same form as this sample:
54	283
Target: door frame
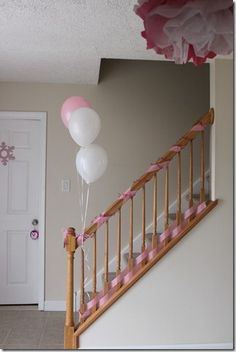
42	117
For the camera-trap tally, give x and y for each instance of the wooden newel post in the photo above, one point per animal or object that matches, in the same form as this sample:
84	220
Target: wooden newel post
69	339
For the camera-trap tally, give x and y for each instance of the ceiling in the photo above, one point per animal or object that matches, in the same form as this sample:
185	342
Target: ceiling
65	40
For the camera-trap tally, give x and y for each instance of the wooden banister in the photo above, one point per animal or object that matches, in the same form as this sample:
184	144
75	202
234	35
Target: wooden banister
106	258
178	212
131	233
154	213
166	204
94	264
118	252
143	219
202	159
206	119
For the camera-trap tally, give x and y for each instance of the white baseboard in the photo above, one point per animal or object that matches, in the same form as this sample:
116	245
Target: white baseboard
200	346
54	305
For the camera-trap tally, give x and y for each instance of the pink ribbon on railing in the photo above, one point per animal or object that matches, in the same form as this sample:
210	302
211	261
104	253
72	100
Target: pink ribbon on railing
127	195
81	237
64	237
126	276
154	167
158	166
101	219
176	148
198	127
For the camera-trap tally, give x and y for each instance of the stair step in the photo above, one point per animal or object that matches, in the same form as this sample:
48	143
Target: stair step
172	216
126	256
196	196
111	276
88	295
149	236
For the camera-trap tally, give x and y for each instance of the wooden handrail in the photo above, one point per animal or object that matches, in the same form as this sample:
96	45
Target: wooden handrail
205	120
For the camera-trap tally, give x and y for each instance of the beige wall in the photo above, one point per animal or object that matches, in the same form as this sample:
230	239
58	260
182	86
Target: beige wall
187	298
144	107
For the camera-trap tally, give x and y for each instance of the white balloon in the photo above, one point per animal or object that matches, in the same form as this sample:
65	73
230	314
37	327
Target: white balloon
91	162
84	126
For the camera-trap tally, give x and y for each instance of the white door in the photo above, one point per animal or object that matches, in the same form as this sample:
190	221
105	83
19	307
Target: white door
20	197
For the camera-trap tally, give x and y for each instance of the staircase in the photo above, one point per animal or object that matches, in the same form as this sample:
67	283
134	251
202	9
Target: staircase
152	246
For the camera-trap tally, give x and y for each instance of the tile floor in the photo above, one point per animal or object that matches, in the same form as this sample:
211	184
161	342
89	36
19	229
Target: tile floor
23	328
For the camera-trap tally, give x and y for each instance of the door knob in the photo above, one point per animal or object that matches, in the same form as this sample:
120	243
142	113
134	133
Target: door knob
34	234
35	222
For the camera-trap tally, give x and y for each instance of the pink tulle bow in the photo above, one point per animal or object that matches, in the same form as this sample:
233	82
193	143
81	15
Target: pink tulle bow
176	148
154	167
101	219
127	195
80	238
64	237
198	127
162	164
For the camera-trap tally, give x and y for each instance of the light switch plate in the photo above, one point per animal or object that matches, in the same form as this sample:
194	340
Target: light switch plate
65	185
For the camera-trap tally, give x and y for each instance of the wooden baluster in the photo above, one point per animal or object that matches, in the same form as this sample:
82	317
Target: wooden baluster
118	253
69	340
178	212
94	267
154	214
130	260
82	303
143	218
106	256
202	177
191	174
166	210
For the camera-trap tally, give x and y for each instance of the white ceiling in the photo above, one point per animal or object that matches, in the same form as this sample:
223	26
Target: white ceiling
64	40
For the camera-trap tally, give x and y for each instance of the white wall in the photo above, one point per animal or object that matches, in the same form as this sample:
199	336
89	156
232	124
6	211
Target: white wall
187	298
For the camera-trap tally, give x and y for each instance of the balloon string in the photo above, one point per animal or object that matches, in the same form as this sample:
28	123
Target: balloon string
86	207
82	202
80	196
86	252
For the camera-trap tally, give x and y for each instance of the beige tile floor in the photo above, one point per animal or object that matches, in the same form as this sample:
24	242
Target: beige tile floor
23	328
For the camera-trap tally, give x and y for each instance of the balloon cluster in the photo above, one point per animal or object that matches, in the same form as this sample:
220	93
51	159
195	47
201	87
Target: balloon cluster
84	125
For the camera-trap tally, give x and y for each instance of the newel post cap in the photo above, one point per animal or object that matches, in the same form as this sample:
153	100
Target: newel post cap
71	243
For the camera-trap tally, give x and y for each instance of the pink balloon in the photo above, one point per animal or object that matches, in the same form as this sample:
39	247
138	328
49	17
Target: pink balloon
70	105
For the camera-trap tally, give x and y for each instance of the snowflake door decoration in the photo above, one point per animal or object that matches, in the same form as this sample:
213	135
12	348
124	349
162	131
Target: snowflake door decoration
6	153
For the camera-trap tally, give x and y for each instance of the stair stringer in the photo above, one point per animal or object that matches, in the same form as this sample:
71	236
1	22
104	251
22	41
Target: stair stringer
172	304
137	239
